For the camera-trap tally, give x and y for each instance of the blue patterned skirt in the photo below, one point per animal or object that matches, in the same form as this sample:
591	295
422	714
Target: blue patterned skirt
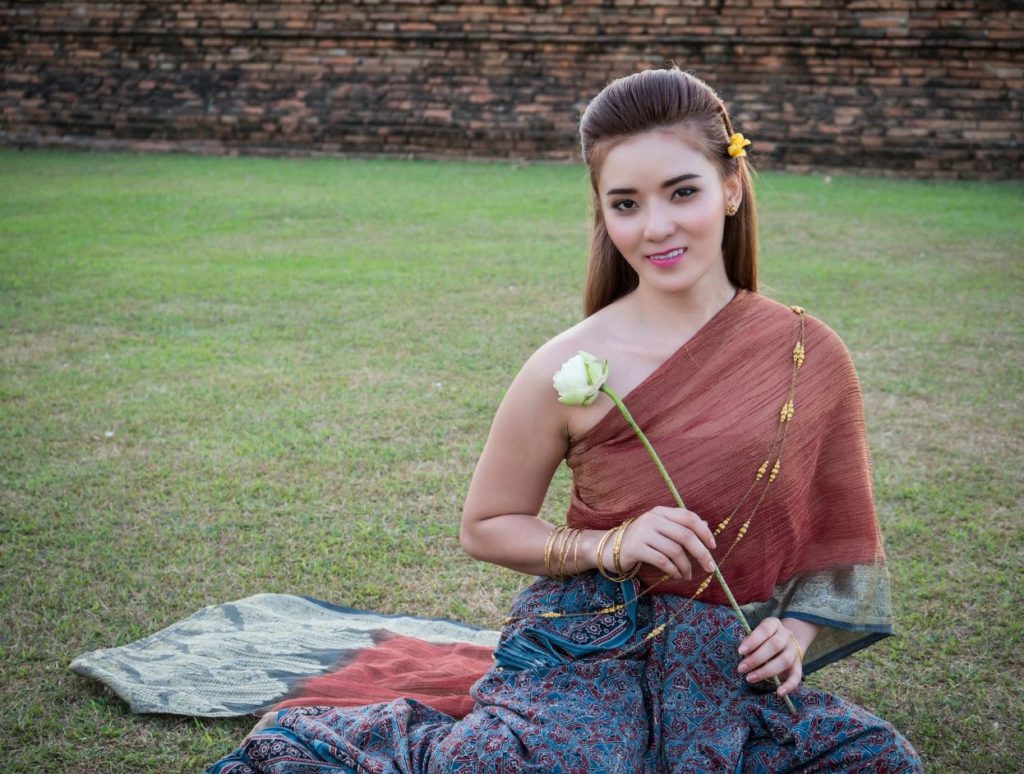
590	695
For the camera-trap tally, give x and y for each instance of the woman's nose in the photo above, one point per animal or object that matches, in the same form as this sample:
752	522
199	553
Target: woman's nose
659	223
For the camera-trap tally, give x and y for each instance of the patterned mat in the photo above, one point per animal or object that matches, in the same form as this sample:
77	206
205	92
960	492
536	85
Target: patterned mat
242	657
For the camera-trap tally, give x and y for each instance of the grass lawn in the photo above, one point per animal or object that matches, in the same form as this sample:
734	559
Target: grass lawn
225	376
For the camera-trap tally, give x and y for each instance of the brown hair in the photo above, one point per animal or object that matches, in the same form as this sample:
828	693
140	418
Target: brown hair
662	99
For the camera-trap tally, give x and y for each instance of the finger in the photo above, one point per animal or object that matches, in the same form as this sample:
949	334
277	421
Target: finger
776	646
766	629
668	556
675	554
792	680
703	531
686	537
691	541
772	668
698	551
694	523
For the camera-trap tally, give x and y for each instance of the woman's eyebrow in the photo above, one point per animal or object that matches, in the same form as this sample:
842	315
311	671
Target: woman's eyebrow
666	184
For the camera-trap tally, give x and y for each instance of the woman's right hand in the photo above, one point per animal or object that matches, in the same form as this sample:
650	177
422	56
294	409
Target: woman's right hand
670	539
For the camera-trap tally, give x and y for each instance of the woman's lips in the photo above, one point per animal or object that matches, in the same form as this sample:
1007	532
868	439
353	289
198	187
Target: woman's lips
668	258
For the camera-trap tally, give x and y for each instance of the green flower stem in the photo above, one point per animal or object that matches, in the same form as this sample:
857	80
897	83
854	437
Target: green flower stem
679	501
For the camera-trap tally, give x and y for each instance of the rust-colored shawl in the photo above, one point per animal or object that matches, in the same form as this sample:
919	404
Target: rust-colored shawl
813	549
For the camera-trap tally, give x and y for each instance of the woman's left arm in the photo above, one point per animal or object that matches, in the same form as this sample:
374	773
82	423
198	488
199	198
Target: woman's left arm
776	649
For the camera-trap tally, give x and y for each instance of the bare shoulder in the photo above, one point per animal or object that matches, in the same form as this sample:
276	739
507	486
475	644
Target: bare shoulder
593	335
588	334
529	436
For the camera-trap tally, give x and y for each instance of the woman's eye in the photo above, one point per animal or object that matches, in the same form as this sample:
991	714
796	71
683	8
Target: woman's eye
684	193
624	204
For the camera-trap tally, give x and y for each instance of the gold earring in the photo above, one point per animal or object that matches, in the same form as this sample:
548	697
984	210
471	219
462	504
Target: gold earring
731	210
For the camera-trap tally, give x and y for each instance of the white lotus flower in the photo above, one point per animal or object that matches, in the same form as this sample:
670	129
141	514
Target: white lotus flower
580	379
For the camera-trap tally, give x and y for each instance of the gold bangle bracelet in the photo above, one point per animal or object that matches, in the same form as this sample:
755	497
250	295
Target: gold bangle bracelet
563	552
622	578
576	550
599	558
799	650
548	547
547	550
559	545
617	549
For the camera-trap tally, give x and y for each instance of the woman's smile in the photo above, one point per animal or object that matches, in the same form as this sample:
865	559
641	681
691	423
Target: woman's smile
668	257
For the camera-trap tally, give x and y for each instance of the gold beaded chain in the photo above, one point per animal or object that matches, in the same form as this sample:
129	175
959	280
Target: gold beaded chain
567	539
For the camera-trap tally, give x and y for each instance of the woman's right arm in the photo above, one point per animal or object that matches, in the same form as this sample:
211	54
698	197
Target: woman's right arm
528	440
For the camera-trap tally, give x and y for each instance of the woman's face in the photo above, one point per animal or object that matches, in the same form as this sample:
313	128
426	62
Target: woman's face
664	204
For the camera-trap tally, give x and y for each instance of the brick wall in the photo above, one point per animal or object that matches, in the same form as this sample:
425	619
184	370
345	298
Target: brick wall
914	88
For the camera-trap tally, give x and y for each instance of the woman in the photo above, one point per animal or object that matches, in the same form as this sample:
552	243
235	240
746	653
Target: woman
625	657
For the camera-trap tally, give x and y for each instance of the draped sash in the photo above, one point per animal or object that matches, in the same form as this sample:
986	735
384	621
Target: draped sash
813	549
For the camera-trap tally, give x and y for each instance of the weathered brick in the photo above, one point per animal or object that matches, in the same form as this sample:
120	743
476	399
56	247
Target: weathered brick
881	78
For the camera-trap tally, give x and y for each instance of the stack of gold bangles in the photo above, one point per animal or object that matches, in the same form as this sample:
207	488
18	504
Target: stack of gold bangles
565	540
568	541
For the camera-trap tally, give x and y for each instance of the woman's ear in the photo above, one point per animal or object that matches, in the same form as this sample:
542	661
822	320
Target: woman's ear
733	191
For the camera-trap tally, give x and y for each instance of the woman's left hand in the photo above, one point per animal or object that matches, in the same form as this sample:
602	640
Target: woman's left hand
771	650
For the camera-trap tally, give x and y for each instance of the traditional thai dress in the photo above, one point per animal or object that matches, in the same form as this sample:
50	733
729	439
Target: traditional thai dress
759	420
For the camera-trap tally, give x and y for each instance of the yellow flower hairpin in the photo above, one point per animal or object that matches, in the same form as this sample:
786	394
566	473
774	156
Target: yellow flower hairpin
737	143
